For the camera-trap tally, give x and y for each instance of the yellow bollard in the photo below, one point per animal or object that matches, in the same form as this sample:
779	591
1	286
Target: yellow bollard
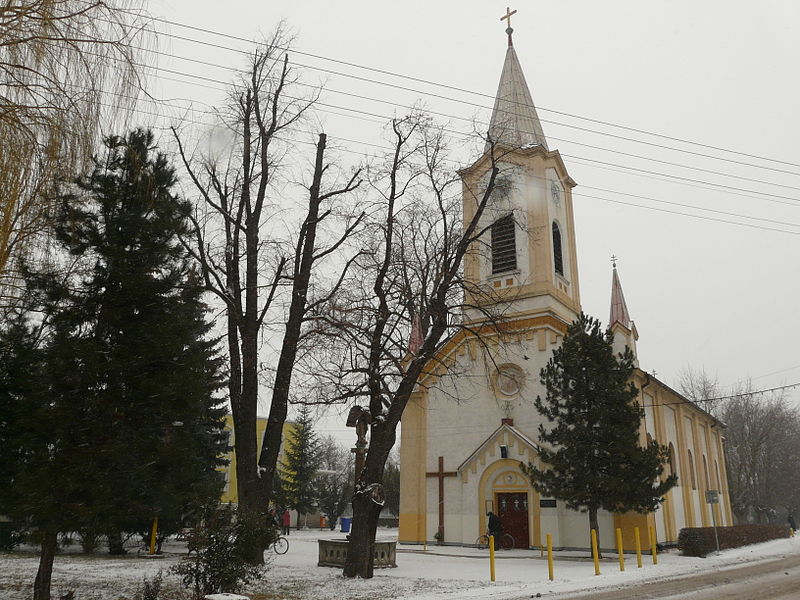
653	545
791	532
550	556
153	533
491	556
595	553
619	550
638	547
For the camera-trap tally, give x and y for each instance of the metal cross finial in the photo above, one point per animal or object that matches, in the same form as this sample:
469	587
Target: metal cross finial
614	261
507	17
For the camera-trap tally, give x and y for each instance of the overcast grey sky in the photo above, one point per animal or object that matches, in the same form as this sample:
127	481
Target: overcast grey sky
723	73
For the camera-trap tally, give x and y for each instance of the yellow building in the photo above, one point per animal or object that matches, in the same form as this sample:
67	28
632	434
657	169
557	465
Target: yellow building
472	421
229	492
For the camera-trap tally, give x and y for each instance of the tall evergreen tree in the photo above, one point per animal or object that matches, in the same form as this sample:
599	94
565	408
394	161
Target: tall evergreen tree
591	457
300	464
117	420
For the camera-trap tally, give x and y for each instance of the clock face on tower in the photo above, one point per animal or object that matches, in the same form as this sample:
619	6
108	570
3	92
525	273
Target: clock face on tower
555	193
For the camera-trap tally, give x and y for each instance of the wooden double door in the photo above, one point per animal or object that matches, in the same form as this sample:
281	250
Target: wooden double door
512	508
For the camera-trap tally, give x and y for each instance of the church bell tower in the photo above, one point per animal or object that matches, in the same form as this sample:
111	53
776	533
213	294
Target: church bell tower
525	263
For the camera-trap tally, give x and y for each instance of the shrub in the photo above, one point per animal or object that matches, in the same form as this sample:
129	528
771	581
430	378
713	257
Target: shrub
218	552
90	539
11	535
699	541
150	588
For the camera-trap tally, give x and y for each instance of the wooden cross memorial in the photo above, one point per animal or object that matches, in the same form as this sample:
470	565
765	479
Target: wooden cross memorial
441	474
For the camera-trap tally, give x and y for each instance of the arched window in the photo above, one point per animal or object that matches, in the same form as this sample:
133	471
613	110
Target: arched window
719	483
558	257
672	470
705	472
504	245
691	470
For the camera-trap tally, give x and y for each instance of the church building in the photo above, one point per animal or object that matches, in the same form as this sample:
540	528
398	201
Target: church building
472	421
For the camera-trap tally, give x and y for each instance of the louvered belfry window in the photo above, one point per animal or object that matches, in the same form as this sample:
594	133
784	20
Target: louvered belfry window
558	258
504	245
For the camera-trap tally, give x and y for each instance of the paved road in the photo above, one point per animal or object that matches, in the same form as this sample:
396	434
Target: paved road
777	579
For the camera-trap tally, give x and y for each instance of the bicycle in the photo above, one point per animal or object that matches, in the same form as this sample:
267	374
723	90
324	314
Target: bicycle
281	545
505	541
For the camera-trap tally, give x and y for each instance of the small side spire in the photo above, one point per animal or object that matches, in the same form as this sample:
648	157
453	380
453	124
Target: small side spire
620	322
619	310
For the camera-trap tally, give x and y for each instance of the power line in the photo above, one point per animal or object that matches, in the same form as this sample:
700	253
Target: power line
578	194
458	89
212	80
682	150
630	168
678	178
482	123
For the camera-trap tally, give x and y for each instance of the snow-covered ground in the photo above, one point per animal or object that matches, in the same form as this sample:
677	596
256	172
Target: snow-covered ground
437	573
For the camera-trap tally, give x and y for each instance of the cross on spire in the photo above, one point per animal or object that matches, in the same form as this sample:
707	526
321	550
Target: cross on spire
614	261
507	17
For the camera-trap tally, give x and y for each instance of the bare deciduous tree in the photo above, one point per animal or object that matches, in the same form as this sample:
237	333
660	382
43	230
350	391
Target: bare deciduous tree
67	68
409	277
763	455
699	387
762	450
250	261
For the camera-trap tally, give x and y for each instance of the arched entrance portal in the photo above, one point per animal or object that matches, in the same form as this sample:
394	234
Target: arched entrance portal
508	493
512	508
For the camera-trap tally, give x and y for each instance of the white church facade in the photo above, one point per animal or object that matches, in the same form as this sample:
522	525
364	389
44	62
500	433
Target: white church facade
472	421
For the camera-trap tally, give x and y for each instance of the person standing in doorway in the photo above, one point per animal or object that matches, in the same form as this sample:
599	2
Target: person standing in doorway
287	521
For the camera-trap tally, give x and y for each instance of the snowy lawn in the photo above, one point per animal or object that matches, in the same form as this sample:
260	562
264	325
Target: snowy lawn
437	573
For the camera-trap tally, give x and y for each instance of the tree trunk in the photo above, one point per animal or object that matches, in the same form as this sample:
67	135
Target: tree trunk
593	525
41	587
361	550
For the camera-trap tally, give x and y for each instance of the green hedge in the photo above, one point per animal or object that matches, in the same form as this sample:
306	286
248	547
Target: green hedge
699	541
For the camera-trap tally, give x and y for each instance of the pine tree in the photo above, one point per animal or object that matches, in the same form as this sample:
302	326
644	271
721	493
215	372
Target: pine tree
300	464
119	409
591	456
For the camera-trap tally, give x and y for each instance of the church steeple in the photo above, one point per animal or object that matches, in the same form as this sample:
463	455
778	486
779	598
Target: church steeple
619	321
514	120
527	256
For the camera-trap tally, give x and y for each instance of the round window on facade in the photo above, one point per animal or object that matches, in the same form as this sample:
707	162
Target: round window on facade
509	380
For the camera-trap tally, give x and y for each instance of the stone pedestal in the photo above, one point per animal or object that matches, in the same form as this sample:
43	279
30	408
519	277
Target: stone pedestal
332	553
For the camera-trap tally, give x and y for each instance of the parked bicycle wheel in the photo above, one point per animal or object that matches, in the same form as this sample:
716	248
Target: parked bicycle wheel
281	545
506	541
482	542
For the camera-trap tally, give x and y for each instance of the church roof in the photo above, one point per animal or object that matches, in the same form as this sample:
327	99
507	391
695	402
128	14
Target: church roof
619	310
514	120
506	434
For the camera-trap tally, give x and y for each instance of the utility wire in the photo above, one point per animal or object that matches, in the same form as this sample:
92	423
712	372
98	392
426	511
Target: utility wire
453	88
211	44
483	123
677	178
578	194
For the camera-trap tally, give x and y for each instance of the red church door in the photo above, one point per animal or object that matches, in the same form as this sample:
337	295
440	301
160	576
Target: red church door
513	513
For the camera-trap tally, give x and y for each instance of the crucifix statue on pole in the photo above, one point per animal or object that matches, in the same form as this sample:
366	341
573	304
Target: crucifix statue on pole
360	418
